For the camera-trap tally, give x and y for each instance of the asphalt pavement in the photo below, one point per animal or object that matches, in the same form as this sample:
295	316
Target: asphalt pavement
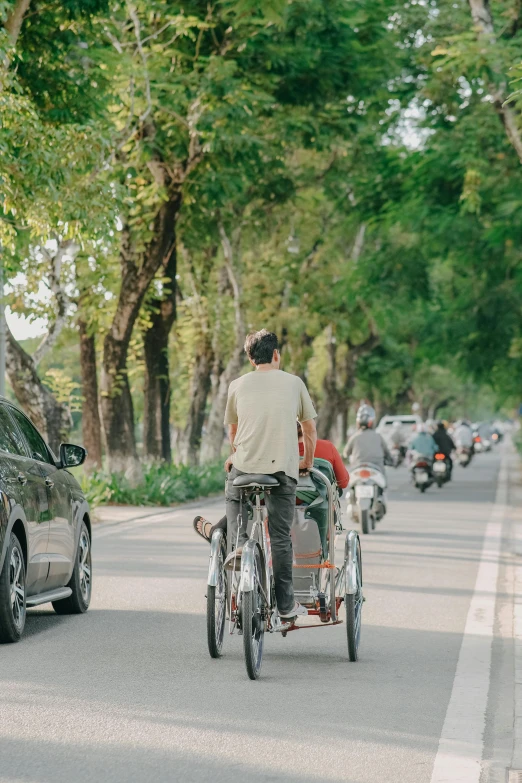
128	692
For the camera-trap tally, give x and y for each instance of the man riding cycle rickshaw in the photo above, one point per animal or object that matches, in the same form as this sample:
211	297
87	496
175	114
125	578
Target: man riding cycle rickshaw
265	475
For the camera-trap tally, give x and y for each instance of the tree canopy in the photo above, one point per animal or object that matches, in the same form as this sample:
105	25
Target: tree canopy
176	174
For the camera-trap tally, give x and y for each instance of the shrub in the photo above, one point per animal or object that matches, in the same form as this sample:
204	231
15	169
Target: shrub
162	485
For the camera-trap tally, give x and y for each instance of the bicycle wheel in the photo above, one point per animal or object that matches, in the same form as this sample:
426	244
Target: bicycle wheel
253	624
353	605
216	611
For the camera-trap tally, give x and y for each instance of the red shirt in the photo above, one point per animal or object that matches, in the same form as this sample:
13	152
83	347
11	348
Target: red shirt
326	450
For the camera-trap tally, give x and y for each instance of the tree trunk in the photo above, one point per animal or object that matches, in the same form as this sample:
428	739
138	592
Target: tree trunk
221	378
200	388
91	425
213	440
13	23
157	392
48	415
137	274
330	406
483	20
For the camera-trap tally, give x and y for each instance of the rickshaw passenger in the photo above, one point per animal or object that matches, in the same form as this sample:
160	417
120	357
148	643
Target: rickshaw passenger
324	449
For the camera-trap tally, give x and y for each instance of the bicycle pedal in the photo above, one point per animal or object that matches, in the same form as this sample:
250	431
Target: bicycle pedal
284	627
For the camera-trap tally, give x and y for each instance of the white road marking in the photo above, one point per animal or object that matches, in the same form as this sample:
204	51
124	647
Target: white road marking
461	744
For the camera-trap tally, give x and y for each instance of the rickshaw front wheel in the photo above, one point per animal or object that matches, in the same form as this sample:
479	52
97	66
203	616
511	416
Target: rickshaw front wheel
216	612
353	605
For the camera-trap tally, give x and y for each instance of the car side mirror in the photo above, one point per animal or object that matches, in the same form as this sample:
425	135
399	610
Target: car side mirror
71	455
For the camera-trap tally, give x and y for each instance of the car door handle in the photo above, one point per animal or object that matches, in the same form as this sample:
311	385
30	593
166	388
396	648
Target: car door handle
49	483
21	479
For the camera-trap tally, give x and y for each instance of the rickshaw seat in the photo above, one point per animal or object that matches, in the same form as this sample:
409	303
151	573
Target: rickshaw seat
312	493
260	480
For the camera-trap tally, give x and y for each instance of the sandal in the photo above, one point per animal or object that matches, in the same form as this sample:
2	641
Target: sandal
202	527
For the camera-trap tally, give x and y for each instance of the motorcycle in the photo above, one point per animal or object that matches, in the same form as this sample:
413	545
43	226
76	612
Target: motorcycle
464	455
478	444
441	469
398	453
421	471
365	498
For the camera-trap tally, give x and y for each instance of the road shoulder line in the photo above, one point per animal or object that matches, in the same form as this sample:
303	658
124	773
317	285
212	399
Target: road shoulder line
461	743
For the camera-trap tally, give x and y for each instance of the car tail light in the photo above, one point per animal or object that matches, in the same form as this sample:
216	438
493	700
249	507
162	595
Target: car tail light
365	473
440	456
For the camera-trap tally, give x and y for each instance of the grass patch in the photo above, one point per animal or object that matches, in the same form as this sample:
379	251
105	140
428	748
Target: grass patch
162	485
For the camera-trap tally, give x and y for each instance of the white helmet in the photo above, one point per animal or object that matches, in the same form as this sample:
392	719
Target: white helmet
365	415
396	425
421	427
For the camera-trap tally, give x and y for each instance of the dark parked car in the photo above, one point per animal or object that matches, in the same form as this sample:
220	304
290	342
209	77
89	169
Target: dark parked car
45	529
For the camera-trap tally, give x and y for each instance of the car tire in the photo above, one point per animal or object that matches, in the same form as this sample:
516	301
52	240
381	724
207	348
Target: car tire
81	579
12	593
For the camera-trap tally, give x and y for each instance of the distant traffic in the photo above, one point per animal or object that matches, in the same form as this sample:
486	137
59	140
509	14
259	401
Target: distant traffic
428	449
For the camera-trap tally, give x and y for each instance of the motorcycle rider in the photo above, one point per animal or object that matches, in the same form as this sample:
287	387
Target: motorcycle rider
463	434
366	445
423	442
397	438
445	444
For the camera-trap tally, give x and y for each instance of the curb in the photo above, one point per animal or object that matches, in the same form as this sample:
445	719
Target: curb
516	762
156	511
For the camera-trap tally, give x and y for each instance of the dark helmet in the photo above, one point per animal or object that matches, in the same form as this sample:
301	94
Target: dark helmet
365	416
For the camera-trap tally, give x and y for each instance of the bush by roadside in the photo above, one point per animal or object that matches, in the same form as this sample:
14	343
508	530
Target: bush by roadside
162	485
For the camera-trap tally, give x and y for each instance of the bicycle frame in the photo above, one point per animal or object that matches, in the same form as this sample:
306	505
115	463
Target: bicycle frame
249	550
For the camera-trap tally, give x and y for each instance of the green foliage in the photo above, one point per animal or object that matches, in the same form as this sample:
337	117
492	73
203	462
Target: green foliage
163	485
352	152
64	389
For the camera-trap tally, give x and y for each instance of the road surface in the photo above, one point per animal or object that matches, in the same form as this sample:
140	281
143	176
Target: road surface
128	692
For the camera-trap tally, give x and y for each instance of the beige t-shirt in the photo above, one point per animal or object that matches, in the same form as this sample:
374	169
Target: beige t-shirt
265	406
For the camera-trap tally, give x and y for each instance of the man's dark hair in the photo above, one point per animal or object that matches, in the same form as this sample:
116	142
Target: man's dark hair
260	346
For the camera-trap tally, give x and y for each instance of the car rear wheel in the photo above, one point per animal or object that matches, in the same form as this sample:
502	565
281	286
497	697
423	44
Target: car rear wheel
81	579
12	593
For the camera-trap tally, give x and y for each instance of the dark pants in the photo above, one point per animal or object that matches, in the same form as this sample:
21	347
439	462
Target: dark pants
280	504
221	525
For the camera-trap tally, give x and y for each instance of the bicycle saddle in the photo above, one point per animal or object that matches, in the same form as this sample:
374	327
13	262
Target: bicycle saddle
256	480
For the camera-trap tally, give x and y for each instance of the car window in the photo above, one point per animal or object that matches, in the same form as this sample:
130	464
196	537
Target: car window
37	448
10	439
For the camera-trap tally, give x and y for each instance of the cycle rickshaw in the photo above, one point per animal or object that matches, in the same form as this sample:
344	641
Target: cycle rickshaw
245	597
